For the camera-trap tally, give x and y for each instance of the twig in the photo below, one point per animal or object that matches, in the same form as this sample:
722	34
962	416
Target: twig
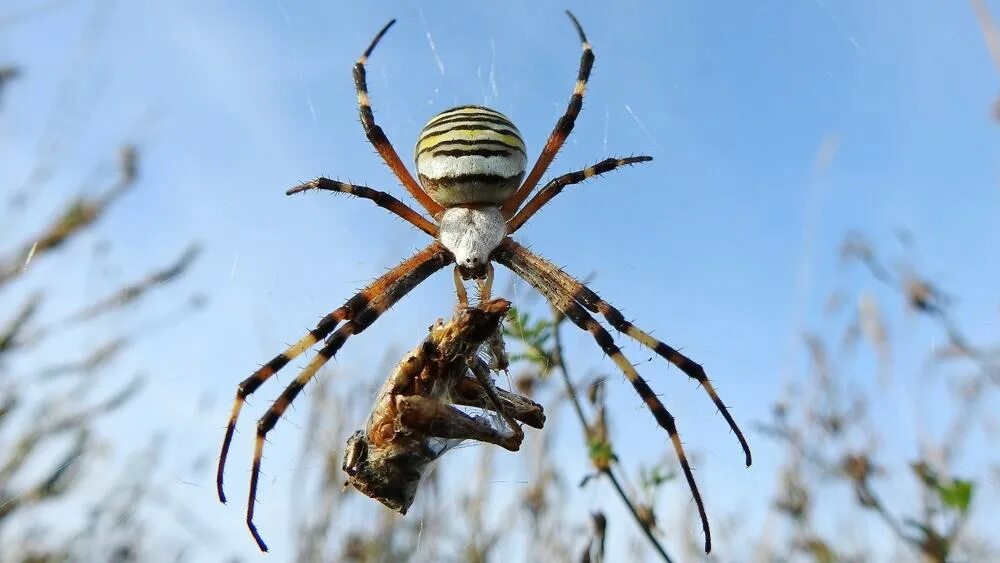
132	292
76	217
924	297
9	336
606	471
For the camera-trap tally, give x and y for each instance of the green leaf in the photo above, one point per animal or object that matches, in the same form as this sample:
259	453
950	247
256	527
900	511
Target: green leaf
536	336
957	494
601	453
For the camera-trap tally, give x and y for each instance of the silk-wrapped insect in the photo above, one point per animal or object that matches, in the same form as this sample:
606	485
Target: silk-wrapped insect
416	416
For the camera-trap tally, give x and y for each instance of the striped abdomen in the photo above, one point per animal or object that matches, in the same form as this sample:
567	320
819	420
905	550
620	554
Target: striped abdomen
470	154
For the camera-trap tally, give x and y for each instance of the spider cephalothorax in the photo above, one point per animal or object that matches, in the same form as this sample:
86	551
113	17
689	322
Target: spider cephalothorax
470	162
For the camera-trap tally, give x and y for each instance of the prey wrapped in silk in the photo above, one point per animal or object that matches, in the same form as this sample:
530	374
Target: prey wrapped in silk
417	417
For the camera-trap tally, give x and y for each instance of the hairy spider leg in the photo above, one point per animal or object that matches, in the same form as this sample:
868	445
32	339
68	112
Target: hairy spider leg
562	129
325	326
552	189
380	198
593	302
377	137
564	302
359	322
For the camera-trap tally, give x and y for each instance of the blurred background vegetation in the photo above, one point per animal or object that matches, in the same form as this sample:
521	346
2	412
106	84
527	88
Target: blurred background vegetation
891	360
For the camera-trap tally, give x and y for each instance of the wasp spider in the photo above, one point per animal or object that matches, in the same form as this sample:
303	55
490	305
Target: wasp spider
470	161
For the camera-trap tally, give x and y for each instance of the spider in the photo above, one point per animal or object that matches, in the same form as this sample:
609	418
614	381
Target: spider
470	163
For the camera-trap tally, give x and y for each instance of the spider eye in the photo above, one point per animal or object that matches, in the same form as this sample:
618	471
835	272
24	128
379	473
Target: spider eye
470	154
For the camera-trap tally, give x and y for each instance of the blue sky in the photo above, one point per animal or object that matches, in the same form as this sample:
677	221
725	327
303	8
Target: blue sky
725	245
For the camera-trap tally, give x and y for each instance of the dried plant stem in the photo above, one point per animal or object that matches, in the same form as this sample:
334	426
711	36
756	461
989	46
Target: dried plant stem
76	217
578	408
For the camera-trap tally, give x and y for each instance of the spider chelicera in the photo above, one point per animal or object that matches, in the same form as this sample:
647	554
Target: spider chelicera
470	162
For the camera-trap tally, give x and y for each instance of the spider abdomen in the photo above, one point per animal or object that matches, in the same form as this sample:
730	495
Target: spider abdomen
470	155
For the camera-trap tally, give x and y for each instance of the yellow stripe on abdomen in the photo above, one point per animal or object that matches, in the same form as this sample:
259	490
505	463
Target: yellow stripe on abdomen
470	154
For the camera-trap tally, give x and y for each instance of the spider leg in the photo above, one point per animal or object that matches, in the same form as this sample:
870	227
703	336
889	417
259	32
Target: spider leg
361	320
586	297
581	318
380	199
377	137
434	254
555	186
561	130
